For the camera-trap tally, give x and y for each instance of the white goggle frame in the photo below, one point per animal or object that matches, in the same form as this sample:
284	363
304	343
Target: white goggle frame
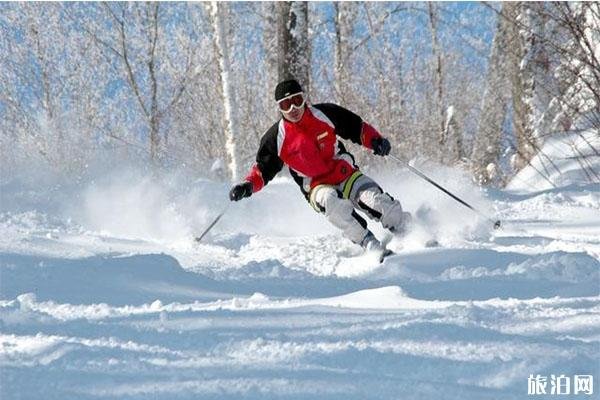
292	105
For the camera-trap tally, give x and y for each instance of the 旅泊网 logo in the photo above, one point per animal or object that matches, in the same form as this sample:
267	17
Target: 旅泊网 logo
560	385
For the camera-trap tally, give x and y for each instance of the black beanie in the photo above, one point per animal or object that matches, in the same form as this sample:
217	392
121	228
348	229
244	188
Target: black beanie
286	88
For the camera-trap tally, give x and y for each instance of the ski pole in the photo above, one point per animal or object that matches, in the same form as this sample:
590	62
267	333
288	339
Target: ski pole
496	223
199	238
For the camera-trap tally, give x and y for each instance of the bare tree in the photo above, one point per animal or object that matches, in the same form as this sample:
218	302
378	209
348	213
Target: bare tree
450	135
574	45
270	42
294	50
146	55
439	77
48	106
530	78
345	17
486	149
219	17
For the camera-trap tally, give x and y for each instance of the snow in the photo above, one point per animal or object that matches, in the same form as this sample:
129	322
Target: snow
563	159
104	293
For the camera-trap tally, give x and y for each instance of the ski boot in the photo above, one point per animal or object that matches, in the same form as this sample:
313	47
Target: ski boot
371	244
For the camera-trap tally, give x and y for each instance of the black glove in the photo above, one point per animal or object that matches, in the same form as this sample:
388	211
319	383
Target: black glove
240	191
381	146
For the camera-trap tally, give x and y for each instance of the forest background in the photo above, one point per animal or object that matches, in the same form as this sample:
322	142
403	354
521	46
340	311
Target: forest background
170	86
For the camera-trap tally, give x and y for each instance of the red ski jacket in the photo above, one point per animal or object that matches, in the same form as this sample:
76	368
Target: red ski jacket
310	147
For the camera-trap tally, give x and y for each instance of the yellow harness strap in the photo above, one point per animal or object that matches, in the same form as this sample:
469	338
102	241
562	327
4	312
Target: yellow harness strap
350	183
345	191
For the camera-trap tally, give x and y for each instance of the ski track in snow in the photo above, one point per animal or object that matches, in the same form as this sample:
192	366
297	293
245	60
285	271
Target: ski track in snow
259	311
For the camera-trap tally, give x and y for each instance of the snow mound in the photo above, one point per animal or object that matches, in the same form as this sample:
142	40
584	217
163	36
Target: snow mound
562	161
265	270
113	280
361	265
555	267
390	297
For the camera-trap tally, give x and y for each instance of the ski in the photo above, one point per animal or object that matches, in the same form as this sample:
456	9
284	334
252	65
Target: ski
386	253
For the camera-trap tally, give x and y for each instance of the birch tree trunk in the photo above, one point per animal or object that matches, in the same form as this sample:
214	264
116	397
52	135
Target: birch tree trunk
270	41
530	70
218	12
154	117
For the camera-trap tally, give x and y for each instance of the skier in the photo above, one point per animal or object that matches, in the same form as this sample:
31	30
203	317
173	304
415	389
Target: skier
306	141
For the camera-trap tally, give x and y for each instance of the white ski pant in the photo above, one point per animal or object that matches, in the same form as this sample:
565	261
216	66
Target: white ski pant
340	202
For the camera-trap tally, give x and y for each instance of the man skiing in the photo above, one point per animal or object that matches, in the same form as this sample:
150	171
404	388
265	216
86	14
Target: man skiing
305	139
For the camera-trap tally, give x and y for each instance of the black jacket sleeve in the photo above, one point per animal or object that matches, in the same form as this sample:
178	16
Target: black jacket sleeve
347	124
267	157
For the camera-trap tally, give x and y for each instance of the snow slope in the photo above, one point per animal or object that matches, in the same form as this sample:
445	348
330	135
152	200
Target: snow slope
104	294
565	159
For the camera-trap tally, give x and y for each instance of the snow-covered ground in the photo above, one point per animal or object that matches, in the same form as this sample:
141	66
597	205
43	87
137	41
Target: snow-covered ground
104	294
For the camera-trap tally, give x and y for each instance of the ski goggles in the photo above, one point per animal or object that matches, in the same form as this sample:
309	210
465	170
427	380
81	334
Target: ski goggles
293	100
